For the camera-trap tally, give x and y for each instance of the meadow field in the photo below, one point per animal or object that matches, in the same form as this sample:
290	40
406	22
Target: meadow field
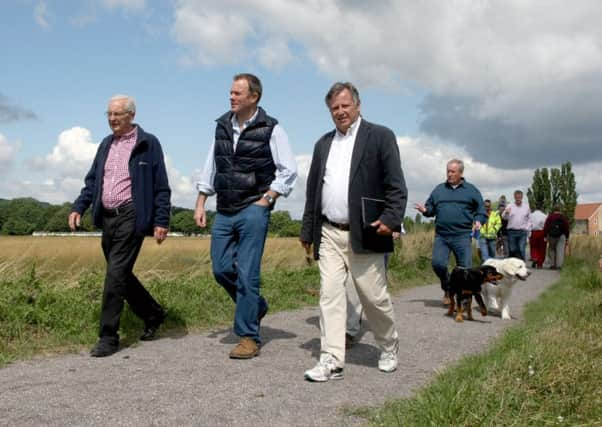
51	287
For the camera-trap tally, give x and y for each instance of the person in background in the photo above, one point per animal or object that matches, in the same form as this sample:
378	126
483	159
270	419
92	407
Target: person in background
556	230
489	232
129	192
518	215
537	241
457	206
502	235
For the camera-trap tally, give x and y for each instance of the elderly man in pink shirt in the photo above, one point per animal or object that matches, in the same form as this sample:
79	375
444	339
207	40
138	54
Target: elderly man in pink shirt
129	193
518	215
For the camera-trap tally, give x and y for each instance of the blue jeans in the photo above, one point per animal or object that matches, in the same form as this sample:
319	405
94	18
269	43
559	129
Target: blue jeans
517	241
462	250
237	242
487	247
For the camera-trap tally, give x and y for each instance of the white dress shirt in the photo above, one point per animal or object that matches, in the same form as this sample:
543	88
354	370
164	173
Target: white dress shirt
538	219
519	217
282	155
335	190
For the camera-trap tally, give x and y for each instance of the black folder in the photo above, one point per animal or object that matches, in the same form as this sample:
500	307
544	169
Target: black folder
372	209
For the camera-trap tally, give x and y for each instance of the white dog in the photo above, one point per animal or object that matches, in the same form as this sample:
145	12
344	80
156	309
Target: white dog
498	295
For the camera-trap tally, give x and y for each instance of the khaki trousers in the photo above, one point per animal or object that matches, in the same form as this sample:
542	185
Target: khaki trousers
354	309
367	271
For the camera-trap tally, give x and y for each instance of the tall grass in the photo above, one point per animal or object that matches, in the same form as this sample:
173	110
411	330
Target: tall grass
546	371
51	287
65	259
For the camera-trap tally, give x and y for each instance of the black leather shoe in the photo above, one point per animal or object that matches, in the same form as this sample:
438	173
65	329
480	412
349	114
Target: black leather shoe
104	348
152	326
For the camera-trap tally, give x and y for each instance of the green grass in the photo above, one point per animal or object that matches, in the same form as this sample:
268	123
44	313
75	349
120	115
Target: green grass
39	316
546	371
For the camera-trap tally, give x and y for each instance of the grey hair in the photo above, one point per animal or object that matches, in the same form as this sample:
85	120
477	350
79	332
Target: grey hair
339	87
459	162
130	102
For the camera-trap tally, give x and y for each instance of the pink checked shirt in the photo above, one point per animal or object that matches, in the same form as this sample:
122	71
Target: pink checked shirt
117	184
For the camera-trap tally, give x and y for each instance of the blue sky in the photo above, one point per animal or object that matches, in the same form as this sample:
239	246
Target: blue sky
476	80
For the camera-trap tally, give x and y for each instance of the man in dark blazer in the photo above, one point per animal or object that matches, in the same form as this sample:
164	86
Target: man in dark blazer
355	199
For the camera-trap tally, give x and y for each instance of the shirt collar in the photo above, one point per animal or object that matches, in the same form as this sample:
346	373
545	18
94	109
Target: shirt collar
461	184
352	129
129	135
246	123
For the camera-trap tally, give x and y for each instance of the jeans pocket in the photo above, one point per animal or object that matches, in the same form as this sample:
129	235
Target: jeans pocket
265	208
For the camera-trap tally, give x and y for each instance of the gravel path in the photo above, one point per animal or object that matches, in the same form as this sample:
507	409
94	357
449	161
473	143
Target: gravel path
189	380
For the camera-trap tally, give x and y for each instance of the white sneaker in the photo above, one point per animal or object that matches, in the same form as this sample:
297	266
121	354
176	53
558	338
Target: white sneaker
325	370
387	361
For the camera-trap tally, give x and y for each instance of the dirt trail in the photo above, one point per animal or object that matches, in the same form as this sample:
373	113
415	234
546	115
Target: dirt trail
189	380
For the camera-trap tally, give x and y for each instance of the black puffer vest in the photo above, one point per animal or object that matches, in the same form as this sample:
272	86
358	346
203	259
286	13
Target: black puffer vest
242	177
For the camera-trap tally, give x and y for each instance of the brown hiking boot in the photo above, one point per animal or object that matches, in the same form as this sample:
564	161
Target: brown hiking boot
446	299
246	348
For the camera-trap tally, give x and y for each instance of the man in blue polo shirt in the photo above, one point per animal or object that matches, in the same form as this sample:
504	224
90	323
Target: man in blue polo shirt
456	206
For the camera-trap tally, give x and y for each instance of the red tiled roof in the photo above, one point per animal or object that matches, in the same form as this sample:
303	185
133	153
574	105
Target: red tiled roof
586	210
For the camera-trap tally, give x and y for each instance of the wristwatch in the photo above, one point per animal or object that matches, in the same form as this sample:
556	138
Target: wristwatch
269	198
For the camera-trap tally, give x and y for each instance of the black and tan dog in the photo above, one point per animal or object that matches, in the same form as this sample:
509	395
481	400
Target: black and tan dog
464	283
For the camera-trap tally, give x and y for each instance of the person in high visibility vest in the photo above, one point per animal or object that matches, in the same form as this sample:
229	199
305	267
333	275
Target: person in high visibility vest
489	231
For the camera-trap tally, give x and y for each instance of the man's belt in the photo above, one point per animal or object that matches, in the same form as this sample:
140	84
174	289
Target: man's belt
119	210
343	227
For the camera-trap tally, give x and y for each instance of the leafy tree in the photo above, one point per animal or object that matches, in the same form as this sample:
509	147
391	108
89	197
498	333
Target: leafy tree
555	180
58	221
567	191
282	225
4	205
418	218
24	216
558	187
183	222
540	192
86	223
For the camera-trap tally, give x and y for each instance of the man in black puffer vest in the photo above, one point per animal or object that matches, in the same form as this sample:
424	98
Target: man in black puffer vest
249	165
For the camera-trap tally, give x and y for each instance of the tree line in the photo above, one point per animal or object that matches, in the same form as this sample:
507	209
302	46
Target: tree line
23	216
554	187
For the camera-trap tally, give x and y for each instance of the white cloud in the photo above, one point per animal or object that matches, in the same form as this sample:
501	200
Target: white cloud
424	164
71	156
8	152
589	184
522	75
183	193
215	37
133	5
41	14
274	54
59	176
62	171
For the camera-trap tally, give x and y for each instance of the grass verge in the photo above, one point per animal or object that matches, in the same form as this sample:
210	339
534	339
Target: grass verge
41	315
546	371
